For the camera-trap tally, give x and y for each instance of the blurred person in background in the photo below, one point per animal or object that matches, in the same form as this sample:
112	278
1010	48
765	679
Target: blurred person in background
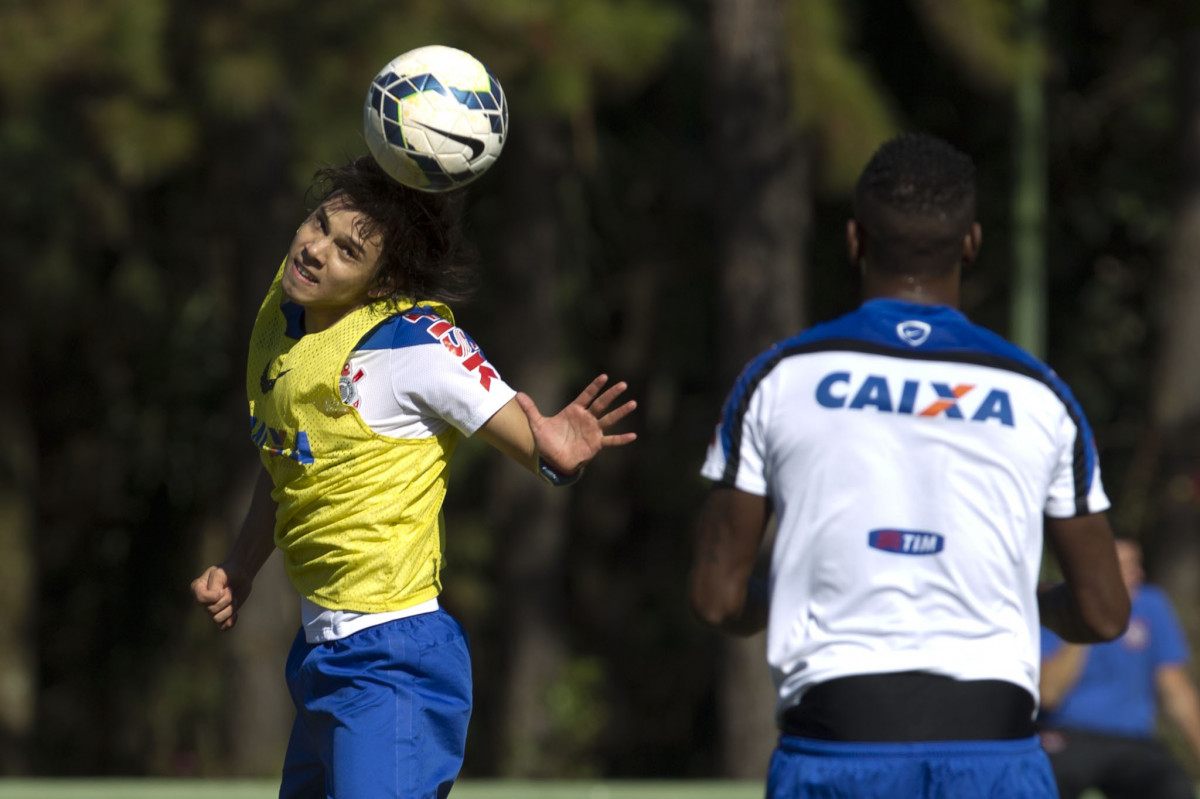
360	386
1099	713
908	458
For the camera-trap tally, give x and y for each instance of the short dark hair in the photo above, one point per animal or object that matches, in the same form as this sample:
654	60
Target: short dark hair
423	252
916	200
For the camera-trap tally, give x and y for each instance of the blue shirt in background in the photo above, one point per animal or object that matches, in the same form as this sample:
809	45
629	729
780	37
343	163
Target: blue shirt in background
1116	691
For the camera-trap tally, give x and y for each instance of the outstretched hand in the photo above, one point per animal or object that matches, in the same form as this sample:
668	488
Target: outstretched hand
577	433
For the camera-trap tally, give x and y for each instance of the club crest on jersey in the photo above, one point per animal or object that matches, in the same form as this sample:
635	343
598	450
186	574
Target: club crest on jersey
1137	635
457	343
906	542
347	385
839	390
913	332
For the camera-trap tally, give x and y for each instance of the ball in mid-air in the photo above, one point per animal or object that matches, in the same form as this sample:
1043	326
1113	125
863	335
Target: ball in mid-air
435	118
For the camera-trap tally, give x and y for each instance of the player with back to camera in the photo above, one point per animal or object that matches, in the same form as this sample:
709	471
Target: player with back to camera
1099	713
359	386
908	457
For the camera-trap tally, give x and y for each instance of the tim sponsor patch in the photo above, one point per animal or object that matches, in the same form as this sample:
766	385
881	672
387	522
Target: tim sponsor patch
906	542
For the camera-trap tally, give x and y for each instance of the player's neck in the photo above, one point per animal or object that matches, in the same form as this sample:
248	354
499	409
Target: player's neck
911	288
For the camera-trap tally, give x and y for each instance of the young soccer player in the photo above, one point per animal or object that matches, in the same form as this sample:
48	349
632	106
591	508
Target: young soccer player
359	386
908	457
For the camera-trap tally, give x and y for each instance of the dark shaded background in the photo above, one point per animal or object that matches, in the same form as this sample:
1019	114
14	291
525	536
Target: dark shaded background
670	200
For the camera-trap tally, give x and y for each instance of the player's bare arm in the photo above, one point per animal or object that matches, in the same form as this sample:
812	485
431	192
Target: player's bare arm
1180	701
723	592
1060	673
223	589
567	440
1092	605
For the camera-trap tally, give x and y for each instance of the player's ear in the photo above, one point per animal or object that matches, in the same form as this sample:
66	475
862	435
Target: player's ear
972	241
855	236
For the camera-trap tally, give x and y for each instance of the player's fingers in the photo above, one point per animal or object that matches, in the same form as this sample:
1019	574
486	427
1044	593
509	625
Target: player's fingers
217	578
220	603
593	389
618	440
602	402
616	415
226	613
207	587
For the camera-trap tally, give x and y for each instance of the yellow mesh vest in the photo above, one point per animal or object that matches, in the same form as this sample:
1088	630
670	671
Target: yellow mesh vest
359	514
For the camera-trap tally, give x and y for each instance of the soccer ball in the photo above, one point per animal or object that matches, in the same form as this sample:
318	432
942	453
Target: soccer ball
435	118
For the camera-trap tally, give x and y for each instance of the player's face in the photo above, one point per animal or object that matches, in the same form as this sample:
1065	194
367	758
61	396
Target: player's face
330	265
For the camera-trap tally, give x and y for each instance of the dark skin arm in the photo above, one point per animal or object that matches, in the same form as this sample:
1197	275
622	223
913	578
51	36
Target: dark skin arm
1092	604
723	592
223	589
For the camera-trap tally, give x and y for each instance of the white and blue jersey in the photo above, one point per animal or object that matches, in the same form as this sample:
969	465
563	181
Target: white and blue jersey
908	456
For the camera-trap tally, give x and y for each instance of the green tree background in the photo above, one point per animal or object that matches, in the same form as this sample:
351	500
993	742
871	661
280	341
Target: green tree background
156	155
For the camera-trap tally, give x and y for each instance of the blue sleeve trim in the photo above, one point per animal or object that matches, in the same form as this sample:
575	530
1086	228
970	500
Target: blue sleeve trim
415	327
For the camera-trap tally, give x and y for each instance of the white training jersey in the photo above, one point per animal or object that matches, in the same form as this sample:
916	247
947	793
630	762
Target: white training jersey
412	377
908	456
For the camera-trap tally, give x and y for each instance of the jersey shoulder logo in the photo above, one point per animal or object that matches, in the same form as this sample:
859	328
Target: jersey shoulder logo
913	332
460	346
906	542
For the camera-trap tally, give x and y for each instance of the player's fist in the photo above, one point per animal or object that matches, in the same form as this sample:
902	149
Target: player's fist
214	591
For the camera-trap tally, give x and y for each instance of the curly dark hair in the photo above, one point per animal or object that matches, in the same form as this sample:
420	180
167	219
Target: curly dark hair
916	200
423	252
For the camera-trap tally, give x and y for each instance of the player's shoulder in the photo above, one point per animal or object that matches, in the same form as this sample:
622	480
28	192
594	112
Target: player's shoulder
418	326
908	330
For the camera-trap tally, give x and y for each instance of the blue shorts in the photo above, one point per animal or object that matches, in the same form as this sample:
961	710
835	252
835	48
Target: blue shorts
803	768
382	713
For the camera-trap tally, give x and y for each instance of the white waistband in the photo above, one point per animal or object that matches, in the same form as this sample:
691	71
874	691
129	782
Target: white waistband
322	624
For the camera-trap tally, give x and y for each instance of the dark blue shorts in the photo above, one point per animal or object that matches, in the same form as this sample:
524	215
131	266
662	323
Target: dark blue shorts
380	714
803	768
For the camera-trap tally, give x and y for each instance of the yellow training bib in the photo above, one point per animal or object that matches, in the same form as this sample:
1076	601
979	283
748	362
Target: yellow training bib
359	514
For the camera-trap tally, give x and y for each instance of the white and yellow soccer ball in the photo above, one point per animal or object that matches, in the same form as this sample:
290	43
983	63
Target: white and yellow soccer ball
435	118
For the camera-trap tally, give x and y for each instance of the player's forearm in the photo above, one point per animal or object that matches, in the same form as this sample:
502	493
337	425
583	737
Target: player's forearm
1180	702
1188	722
1060	673
737	610
256	540
724	590
1091	620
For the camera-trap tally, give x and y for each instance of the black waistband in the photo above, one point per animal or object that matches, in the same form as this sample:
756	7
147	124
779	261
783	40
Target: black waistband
911	706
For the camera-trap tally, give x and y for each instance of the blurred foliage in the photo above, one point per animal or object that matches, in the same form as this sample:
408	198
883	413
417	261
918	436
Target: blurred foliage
156	155
984	37
834	90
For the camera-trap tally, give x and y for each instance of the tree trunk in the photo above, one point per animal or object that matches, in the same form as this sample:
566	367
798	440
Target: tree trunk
1173	546
17	589
257	210
762	216
525	515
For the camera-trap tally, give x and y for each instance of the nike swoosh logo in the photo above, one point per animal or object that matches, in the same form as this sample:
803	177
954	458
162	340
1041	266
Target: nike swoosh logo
268	383
476	145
